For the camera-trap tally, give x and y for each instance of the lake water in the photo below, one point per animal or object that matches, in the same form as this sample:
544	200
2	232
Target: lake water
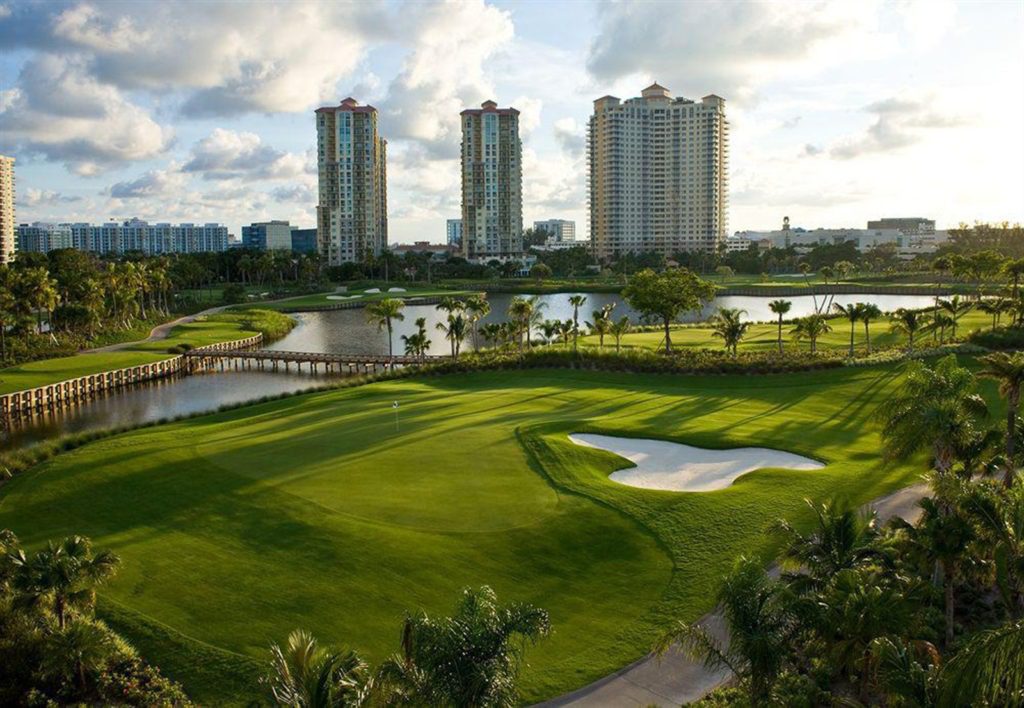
347	332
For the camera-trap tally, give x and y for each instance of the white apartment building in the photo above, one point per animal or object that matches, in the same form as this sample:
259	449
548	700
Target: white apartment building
907	245
352	214
561	230
453	231
8	236
122	237
658	173
492	183
40	237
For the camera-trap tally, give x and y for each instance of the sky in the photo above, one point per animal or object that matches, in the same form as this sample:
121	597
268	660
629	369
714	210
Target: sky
839	112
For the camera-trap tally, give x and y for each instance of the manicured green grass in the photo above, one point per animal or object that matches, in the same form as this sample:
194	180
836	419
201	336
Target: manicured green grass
221	327
316	512
763	337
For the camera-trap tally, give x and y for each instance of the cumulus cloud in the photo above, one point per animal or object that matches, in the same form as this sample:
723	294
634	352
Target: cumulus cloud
726	48
899	122
227	154
44	197
298	193
444	73
60	111
569	135
151	184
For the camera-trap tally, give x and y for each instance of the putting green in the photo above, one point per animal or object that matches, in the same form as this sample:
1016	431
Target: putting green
315	512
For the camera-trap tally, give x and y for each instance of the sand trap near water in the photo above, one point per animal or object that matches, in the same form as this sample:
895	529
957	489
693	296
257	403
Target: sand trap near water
342	297
397	290
372	291
684	468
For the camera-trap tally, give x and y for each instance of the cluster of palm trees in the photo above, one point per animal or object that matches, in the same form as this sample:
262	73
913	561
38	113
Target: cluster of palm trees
471	658
82	298
51	645
876	614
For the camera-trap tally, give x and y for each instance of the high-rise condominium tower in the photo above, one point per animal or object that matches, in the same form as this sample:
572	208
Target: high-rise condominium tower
7	232
492	183
658	173
352	216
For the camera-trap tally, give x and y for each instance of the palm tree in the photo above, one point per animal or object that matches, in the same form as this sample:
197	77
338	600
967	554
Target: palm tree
908	322
853	313
811	327
305	675
491	332
81	649
805	270
995	307
469	659
63	576
842	538
382	313
1015	269
941	537
549	330
760	629
477	308
780	308
455	330
1008	370
417	344
936	410
602	323
577	302
618	330
987	671
941	321
868	312
726	325
567	329
956	308
998	515
519	311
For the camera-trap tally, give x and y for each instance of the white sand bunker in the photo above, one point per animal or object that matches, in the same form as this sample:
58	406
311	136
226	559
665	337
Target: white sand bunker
342	297
396	290
372	291
684	468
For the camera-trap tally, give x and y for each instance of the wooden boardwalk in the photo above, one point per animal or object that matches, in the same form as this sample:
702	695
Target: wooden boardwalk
278	360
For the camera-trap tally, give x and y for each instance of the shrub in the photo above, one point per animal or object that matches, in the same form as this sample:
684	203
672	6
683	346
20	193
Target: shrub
234	294
1000	338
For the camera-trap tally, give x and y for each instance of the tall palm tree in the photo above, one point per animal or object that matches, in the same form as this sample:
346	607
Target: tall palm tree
908	322
455	330
956	307
780	308
619	329
62	577
842	538
305	675
577	302
477	308
602	323
939	324
519	311
853	313
417	344
1008	370
936	410
760	631
728	326
868	312
383	313
469	659
810	328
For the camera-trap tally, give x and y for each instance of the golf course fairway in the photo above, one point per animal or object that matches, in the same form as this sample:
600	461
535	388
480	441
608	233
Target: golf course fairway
321	512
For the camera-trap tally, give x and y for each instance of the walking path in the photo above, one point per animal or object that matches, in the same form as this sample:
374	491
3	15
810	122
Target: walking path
675	679
159	332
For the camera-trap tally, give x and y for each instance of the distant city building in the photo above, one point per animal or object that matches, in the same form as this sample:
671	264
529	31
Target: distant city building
454	232
912	226
40	237
268	236
492	177
304	240
352	215
658	173
434	249
560	230
8	236
133	235
908	245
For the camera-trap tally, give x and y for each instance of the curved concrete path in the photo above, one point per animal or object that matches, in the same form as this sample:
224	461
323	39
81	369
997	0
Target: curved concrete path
675	679
159	332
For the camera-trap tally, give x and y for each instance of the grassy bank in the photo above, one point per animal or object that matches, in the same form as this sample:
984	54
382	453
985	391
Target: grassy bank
316	512
357	295
221	327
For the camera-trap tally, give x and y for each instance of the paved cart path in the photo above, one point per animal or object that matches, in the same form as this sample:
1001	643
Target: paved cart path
674	679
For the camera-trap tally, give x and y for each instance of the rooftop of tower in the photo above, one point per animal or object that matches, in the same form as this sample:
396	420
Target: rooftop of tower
347	104
489	107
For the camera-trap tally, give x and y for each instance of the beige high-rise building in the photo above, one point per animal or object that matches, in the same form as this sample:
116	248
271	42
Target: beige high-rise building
352	214
7	231
658	174
492	183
